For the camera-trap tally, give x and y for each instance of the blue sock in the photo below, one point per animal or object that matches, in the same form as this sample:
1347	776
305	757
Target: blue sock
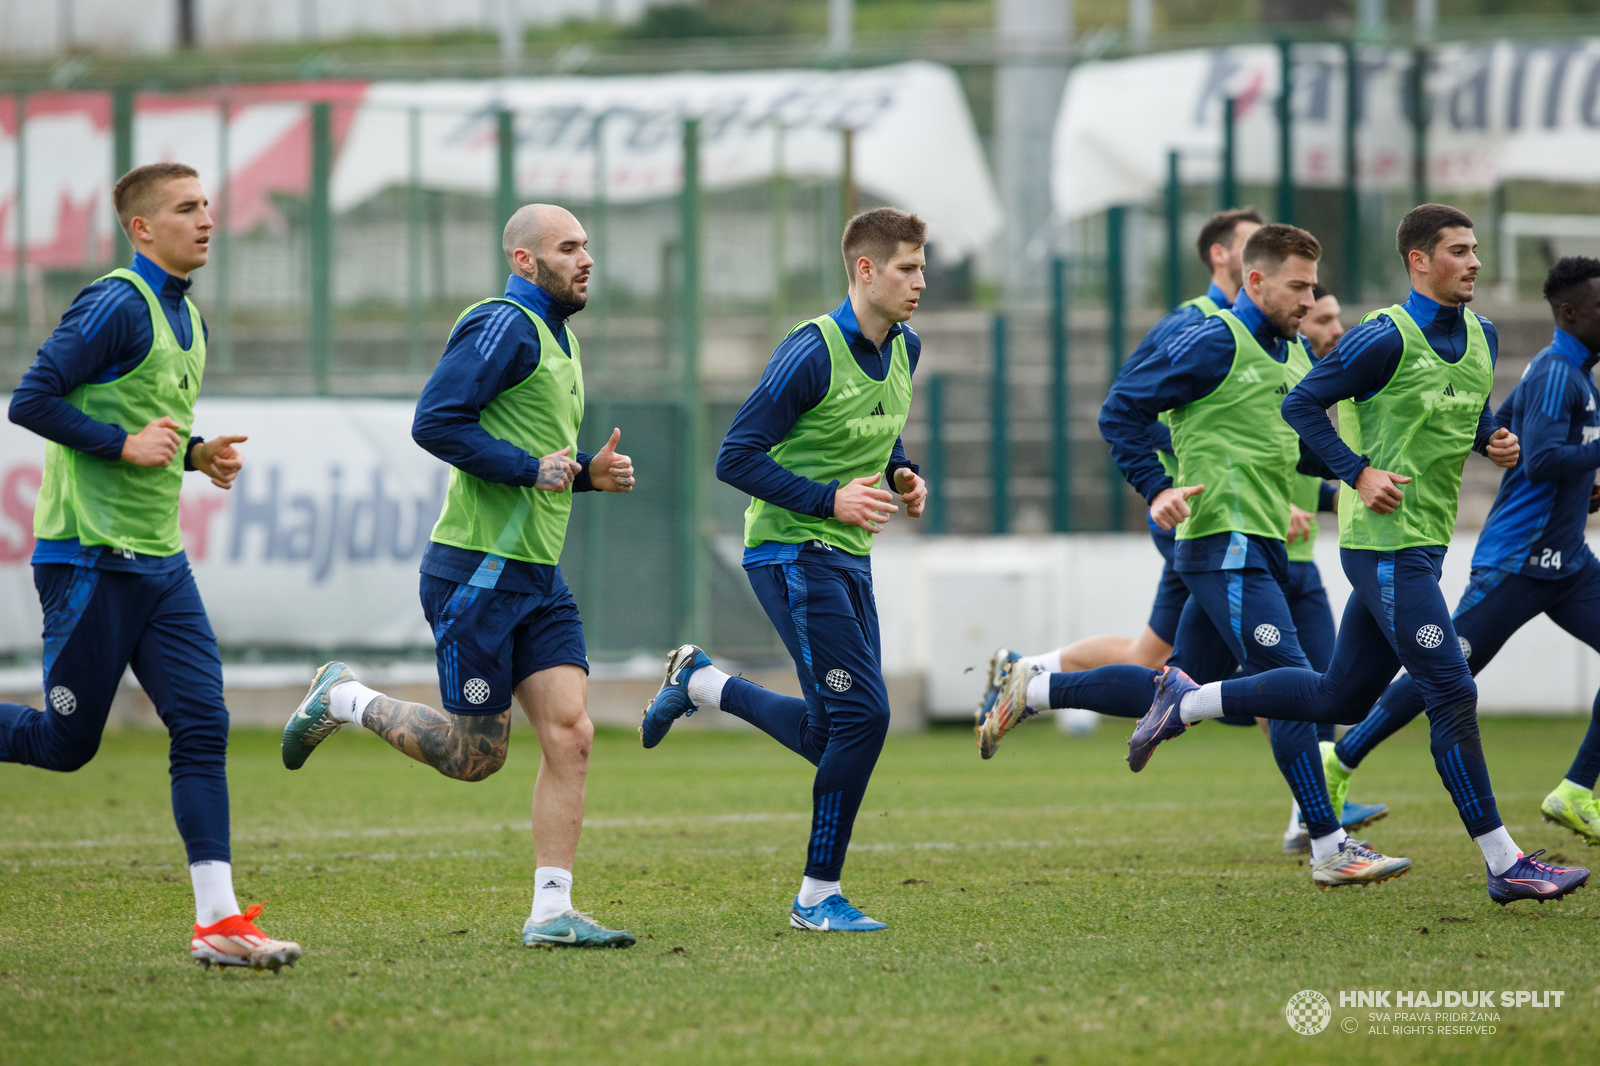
1121	691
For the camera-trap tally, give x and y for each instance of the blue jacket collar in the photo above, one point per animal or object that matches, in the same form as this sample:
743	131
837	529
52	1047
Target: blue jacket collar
1425	311
1260	326
1573	350
161	283
553	311
1217	296
845	315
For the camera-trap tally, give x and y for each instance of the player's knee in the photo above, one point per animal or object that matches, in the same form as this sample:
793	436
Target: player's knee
481	766
69	754
569	740
877	719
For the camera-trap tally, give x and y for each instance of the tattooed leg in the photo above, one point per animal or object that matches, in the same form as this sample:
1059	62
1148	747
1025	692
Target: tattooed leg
467	747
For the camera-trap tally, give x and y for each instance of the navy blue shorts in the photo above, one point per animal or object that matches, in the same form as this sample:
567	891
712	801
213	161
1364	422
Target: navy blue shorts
1171	593
489	640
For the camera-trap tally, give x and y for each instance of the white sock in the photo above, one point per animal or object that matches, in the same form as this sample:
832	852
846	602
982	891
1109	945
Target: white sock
1294	818
1499	850
1323	847
813	892
1204	702
1048	661
552	894
705	687
1342	766
1039	692
347	701
213	891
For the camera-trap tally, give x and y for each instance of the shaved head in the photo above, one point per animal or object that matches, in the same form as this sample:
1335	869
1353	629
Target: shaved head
547	245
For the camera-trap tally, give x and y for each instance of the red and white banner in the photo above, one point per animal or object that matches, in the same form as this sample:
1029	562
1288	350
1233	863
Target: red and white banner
915	145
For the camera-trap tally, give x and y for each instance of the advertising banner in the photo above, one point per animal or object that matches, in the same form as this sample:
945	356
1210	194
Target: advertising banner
915	145
1495	111
316	545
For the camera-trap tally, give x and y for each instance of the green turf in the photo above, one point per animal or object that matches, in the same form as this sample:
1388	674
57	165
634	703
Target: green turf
1047	906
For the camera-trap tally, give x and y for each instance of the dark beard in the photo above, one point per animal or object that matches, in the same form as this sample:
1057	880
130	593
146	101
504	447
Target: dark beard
556	286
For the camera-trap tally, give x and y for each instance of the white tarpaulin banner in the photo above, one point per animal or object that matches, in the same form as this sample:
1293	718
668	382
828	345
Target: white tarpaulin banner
316	545
915	144
1495	111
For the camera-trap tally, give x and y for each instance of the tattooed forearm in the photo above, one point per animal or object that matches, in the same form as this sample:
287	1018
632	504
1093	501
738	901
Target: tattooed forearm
467	747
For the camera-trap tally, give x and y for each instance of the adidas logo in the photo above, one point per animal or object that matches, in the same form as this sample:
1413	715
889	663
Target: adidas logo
1283	390
1250	375
878	410
550	884
574	390
1449	389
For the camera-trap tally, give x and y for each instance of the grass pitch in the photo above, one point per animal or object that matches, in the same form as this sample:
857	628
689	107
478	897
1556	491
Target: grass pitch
1046	907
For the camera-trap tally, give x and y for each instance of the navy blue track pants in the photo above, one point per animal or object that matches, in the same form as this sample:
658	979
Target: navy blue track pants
96	624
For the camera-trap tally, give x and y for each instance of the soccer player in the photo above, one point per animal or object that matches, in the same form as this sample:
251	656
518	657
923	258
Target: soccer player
1220	245
113	391
1531	555
503	409
1412	384
812	445
1221	382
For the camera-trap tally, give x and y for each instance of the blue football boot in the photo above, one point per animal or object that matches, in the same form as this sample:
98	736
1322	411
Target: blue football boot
1360	815
572	929
312	722
671	700
1161	721
832	915
1529	878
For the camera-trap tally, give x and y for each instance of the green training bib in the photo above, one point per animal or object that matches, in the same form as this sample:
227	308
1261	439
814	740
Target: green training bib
850	434
1421	424
540	415
108	501
1235	442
